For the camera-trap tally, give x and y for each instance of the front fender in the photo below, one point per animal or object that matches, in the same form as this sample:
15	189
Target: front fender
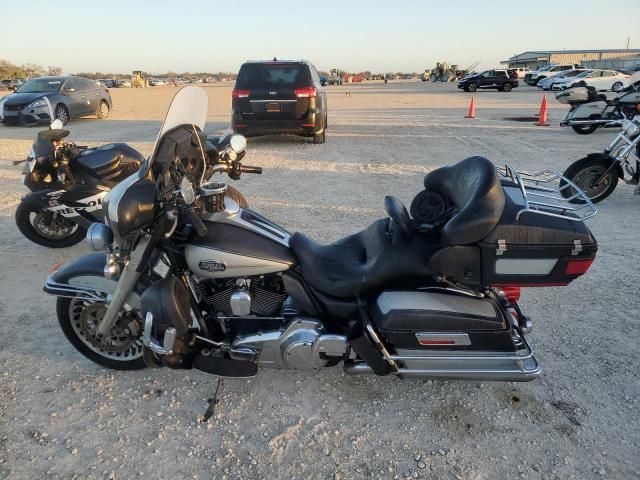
84	278
40	199
609	158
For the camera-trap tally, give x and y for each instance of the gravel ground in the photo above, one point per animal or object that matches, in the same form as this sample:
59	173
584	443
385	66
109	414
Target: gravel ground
62	417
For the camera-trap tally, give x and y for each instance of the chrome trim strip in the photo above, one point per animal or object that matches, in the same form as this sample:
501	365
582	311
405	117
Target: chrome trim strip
273	101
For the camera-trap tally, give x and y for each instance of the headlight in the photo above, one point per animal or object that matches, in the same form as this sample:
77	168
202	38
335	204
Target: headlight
38	103
630	128
238	143
99	236
186	189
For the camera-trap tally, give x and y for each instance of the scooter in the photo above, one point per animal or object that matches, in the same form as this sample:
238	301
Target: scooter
183	277
598	173
590	110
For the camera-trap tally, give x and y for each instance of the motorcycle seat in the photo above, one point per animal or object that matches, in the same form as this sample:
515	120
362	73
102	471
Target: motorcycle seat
473	187
362	262
103	164
381	257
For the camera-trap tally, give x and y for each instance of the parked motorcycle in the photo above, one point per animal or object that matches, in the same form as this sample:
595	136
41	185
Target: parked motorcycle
589	110
191	280
598	173
69	182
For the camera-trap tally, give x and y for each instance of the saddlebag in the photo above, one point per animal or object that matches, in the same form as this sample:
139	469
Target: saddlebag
441	320
531	249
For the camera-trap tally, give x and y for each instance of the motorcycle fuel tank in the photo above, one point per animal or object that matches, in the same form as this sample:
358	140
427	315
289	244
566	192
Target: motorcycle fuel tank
229	251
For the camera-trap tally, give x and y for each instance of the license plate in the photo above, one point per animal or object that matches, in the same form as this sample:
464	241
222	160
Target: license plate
273	107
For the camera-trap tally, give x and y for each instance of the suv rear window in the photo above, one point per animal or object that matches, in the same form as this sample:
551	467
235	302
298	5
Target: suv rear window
264	75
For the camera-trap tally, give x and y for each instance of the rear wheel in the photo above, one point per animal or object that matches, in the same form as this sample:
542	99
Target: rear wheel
584	129
616	87
506	87
103	110
584	174
121	349
472	87
61	113
321	137
48	229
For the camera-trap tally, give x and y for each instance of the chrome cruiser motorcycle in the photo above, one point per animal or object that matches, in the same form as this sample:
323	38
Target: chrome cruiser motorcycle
598	173
191	280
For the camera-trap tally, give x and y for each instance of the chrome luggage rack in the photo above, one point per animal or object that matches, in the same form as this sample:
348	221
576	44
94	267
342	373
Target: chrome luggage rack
540	194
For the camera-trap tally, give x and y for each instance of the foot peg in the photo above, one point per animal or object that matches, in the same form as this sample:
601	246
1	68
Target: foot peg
169	338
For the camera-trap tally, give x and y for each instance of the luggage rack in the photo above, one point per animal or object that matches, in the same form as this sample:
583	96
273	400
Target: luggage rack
541	195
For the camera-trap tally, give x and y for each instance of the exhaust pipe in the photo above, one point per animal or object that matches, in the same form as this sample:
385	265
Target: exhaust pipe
606	123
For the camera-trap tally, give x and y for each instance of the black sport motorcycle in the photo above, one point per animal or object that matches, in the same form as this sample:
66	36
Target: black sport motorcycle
69	182
191	280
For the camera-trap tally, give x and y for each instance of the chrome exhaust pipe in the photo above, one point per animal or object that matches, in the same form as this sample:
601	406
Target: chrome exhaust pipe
610	123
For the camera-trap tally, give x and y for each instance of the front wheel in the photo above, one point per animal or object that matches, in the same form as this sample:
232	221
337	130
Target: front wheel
506	87
61	113
584	173
584	129
472	87
46	228
121	349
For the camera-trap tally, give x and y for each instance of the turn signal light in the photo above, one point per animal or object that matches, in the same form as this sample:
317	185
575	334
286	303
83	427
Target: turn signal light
578	267
237	93
307	92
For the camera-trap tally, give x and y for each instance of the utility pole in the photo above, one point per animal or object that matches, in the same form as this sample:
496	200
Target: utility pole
628	41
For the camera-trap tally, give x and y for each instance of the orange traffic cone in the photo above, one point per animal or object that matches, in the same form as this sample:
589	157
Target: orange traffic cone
472	109
542	117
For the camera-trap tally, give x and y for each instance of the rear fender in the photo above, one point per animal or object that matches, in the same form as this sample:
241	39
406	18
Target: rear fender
610	159
84	278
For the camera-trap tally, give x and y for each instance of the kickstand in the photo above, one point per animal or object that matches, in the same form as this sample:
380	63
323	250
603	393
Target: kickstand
213	401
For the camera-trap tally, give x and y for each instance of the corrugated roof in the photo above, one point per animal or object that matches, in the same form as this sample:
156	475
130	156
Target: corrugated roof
552	52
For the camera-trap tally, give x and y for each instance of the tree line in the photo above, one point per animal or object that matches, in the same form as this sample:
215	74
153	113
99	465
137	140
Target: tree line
9	70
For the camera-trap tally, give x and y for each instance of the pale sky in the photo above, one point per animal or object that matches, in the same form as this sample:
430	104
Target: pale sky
156	36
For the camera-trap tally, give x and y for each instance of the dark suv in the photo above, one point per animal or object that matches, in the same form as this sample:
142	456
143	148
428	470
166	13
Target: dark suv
272	97
498	79
69	97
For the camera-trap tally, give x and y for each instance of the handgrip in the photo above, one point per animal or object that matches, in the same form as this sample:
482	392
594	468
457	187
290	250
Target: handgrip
249	169
197	223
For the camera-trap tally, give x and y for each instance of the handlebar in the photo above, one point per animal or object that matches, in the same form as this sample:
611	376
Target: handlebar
249	169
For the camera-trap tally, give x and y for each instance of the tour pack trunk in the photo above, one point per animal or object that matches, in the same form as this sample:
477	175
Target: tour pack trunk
530	249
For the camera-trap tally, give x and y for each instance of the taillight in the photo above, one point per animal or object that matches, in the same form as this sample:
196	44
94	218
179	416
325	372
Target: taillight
237	93
577	267
512	294
306	92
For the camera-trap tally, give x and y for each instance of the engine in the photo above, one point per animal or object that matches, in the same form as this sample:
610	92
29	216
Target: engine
262	296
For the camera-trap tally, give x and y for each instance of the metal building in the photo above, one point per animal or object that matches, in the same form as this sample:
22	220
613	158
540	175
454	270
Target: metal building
536	59
630	63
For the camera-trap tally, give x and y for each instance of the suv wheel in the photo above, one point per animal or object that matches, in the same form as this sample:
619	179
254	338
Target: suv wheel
506	87
472	87
319	138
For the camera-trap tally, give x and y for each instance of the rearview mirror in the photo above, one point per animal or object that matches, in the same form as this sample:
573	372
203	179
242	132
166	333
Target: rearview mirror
68	90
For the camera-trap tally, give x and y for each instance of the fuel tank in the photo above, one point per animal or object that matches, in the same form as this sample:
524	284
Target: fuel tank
242	244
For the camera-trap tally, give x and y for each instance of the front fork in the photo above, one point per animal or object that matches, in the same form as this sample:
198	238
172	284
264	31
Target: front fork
126	284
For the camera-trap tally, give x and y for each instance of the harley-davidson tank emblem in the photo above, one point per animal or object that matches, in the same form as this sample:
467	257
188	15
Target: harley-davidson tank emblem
212	266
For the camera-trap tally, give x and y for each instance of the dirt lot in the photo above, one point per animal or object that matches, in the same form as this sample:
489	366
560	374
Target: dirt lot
62	417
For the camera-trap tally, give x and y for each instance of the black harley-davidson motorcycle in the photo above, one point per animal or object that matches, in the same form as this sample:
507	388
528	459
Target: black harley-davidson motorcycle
69	182
189	279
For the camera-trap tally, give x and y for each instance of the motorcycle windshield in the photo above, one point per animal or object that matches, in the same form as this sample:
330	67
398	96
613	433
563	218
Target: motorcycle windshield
188	107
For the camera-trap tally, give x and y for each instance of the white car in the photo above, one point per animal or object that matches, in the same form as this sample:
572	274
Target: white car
600	79
547	83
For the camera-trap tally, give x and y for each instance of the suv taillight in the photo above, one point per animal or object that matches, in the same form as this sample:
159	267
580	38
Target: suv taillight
237	93
306	92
